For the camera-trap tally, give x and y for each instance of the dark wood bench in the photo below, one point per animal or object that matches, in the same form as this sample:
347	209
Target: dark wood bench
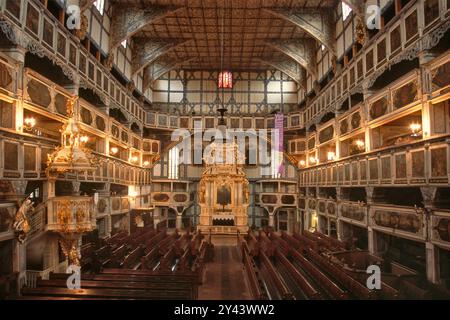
155	294
306	287
325	282
133	259
284	292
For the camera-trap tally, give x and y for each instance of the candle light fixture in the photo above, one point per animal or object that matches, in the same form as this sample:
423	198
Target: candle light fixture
29	123
114	150
416	129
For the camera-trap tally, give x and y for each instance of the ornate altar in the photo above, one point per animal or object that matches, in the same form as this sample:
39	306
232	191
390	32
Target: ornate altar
223	191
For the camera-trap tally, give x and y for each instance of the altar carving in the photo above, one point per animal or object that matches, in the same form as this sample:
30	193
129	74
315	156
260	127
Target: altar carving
223	190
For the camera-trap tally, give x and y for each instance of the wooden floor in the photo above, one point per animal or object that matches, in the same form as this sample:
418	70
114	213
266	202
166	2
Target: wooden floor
224	277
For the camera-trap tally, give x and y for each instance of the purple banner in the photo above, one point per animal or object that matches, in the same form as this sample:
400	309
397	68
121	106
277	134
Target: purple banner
279	125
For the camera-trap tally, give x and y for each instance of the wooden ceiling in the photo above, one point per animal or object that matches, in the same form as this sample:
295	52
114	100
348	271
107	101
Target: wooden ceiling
247	28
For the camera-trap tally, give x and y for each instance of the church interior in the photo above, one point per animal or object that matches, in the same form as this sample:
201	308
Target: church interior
224	149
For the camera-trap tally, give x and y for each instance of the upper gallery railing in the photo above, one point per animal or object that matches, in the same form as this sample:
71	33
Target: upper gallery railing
408	33
29	24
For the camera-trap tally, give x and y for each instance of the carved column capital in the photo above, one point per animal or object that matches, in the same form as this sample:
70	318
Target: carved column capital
370	194
428	195
19	187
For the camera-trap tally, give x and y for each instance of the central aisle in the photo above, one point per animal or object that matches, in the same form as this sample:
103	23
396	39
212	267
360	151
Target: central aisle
224	277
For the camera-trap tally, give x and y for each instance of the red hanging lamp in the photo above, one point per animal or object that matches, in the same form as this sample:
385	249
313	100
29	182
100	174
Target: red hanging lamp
225	80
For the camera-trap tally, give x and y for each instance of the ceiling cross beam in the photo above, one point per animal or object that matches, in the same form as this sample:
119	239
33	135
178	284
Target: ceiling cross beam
146	51
318	24
301	50
127	21
288	67
158	68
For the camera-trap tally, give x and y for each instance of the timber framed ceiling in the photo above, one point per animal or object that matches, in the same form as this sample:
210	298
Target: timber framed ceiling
257	34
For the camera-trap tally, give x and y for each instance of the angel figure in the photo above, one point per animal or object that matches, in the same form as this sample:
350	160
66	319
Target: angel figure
21	225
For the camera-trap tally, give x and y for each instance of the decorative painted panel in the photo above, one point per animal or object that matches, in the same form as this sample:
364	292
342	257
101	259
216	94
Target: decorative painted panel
378	108
405	95
39	93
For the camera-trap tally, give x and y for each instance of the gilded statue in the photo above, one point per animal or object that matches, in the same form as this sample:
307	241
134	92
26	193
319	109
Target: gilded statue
70	250
246	193
21	225
82	31
202	192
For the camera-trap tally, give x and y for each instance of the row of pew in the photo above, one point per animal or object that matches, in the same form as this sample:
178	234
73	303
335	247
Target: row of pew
293	267
151	263
303	266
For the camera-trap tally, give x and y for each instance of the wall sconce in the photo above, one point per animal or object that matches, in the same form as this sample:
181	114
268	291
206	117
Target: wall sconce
114	150
146	163
133	195
29	123
302	163
134	159
416	129
84	139
331	156
360	144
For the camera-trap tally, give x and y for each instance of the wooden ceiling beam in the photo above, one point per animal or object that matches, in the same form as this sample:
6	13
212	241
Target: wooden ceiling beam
301	50
318	24
146	51
289	67
160	67
127	21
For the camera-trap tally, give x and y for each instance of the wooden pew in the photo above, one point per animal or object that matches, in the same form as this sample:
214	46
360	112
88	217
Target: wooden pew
117	256
325	241
132	260
185	260
166	261
142	238
280	243
251	271
138	285
265	244
351	284
326	283
199	262
155	239
8	285
101	258
253	244
306	242
275	277
149	260
117	238
87	255
127	276
103	293
293	242
306	287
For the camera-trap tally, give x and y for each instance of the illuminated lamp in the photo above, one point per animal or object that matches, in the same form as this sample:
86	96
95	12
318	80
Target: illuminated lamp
225	80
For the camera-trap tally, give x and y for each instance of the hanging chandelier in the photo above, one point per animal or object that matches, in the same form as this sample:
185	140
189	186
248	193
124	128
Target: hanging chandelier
225	80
